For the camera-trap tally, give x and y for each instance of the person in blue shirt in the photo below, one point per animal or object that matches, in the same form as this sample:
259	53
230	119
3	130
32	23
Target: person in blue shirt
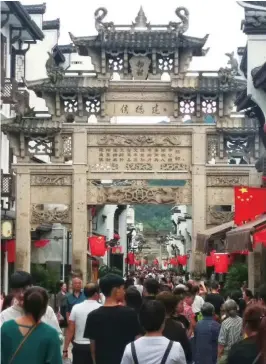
77	295
206	336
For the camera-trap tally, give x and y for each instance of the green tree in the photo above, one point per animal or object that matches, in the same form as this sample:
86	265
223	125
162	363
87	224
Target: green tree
237	275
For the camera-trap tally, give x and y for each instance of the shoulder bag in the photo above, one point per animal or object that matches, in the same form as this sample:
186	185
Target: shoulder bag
165	355
22	343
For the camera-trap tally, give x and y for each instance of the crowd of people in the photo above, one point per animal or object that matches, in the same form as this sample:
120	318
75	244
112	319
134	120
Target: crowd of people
147	317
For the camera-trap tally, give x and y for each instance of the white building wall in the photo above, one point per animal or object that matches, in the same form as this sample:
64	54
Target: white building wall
37	55
123	233
256	57
5	108
105	226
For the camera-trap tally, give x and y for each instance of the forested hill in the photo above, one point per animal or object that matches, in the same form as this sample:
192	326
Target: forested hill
154	217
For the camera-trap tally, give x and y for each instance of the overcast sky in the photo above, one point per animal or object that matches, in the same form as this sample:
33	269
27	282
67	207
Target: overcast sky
221	19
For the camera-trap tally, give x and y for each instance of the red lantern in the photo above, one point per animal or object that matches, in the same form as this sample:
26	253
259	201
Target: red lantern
116	237
97	246
221	263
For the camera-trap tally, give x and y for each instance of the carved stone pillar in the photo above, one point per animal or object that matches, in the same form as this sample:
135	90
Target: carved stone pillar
199	141
255	261
23	238
79	203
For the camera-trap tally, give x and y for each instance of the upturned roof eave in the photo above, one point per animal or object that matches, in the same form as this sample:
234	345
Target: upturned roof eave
259	76
18	9
98	40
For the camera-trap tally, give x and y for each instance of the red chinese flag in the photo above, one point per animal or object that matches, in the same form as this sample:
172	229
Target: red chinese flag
221	263
174	261
182	260
249	203
11	251
97	246
209	261
41	243
260	238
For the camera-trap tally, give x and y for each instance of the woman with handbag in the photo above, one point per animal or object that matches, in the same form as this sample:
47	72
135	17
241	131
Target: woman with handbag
27	339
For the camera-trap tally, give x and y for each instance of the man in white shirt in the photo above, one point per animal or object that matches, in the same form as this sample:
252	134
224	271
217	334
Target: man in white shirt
76	325
153	348
19	282
198	301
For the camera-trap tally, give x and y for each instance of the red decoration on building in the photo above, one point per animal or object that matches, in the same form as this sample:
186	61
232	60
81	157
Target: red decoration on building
249	203
209	261
117	250
41	243
130	259
221	263
259	238
116	237
182	260
97	246
155	262
174	261
11	251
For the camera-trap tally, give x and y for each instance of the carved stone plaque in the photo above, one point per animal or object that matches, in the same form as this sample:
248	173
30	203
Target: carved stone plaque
215	217
138	194
225	181
132	158
139	108
140	67
220	196
40	215
51	180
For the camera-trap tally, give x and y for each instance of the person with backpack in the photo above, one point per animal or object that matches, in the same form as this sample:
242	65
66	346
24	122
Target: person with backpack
153	347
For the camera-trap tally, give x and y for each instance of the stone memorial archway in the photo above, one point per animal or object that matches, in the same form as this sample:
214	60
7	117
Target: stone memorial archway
198	147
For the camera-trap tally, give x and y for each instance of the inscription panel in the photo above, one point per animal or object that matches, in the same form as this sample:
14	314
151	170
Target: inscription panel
139	158
220	196
147	108
225	181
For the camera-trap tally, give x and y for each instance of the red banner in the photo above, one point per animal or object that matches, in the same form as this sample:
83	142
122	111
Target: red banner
11	251
41	243
249	203
97	246
221	263
130	259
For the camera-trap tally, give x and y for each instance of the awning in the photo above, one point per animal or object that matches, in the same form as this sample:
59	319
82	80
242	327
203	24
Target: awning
214	233
239	239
